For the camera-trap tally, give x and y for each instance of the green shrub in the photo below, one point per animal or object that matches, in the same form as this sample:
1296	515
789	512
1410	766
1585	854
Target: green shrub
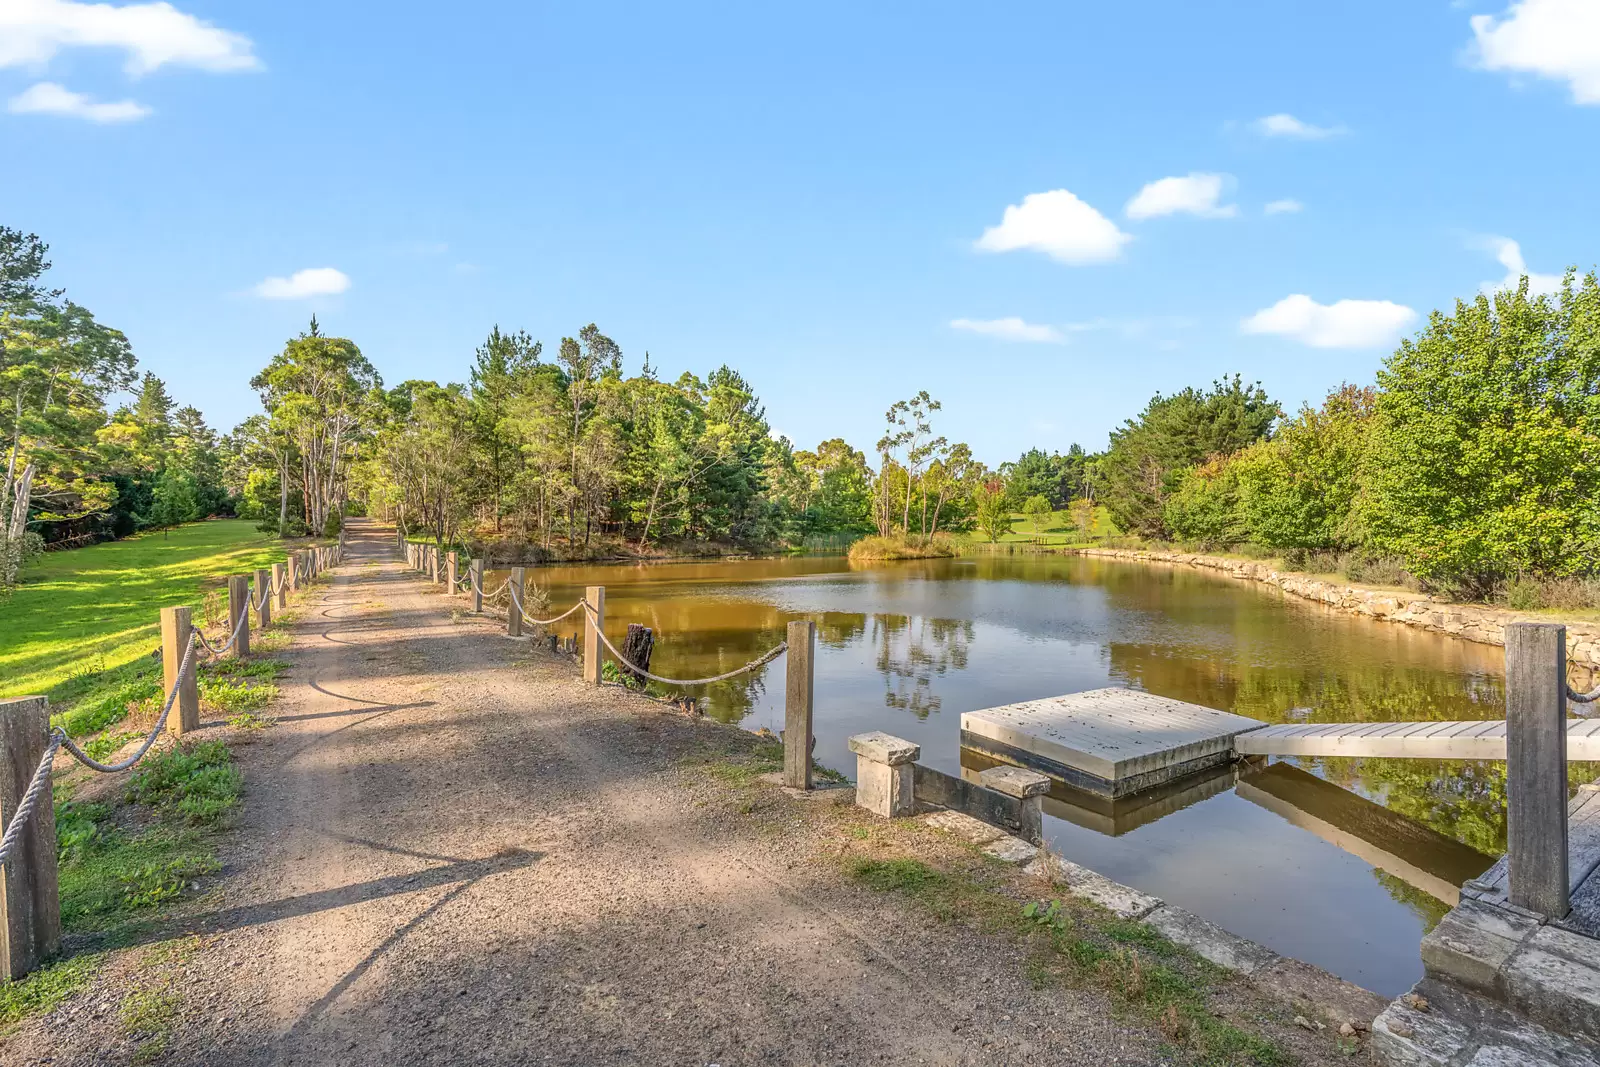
197	781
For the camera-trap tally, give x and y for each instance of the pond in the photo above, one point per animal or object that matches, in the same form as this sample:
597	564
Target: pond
1343	863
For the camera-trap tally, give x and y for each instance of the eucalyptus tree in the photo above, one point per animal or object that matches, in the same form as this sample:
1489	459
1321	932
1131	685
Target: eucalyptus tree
502	370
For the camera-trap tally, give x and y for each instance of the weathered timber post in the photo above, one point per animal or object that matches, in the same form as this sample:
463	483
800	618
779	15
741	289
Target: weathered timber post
1536	767
514	608
264	591
477	587
175	631
637	648
1027	786
594	622
433	564
30	905
294	572
238	608
884	776
280	582
799	677
452	566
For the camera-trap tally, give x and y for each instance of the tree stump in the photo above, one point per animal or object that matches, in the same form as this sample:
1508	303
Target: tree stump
636	649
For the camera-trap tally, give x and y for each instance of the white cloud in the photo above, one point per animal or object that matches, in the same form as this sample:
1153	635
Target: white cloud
1193	194
313	281
48	98
1286	125
152	34
1344	324
1058	224
1509	253
1010	329
1558	39
1285	206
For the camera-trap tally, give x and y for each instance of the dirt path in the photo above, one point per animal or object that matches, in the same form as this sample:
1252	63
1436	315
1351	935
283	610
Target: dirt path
451	851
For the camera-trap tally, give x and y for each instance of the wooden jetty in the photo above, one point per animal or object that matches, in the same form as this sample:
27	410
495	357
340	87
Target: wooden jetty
1476	739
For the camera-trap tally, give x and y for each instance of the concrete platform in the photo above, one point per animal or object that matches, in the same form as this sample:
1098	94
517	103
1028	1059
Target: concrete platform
1113	742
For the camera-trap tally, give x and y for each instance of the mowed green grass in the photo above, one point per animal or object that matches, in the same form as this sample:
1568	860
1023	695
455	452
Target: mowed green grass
93	609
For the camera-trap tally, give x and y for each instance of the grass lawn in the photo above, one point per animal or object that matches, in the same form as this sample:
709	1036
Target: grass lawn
93	609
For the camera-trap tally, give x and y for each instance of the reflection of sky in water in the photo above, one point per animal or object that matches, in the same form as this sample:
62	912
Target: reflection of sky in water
907	647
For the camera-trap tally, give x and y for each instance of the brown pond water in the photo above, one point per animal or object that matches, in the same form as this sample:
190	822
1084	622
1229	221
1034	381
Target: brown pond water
1343	863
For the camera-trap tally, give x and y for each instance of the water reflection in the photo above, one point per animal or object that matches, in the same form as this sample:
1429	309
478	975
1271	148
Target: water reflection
906	647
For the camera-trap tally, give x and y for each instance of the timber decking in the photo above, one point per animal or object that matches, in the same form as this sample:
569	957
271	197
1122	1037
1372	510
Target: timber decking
1583	858
1108	741
1477	739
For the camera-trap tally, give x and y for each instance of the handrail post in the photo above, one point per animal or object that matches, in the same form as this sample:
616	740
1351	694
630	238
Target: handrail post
294	572
30	902
281	584
452	566
799	677
264	591
1536	767
175	632
513	612
433	563
477	587
594	621
238	608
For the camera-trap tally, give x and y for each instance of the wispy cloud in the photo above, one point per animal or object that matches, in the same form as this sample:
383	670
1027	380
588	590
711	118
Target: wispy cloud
1058	224
1010	329
1343	324
1283	207
49	98
313	281
152	35
1509	253
1195	193
1555	39
1284	124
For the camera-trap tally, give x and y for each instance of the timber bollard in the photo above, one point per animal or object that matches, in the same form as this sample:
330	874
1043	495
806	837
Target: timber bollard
280	583
477	587
238	608
594	621
799	678
264	591
1536	767
30	902
452	566
884	775
433	564
175	635
513	607
294	571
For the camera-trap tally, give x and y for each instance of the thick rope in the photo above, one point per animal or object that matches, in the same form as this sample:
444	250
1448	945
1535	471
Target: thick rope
155	732
1582	698
30	799
516	600
754	664
239	627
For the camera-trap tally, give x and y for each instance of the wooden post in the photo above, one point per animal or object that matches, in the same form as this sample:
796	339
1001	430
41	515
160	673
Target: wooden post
513	612
175	631
1536	767
477	587
799	675
636	649
238	608
30	905
593	623
294	571
433	564
281	584
452	566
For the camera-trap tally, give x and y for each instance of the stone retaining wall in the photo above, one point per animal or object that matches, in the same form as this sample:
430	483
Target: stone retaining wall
1472	622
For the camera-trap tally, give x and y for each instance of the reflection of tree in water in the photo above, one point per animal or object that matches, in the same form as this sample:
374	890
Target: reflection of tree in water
911	651
1425	906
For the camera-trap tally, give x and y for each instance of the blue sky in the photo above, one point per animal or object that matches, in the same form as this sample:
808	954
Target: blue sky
813	195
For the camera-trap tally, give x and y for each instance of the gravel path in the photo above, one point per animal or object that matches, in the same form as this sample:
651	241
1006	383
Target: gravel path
453	852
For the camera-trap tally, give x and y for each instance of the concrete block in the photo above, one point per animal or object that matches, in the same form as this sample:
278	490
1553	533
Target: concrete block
1010	849
1472	943
1015	781
884	789
1084	884
880	747
1506	1056
1405	1037
1554	979
963	826
1210	941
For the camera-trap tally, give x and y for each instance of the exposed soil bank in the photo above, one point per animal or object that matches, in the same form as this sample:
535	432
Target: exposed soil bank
1473	622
